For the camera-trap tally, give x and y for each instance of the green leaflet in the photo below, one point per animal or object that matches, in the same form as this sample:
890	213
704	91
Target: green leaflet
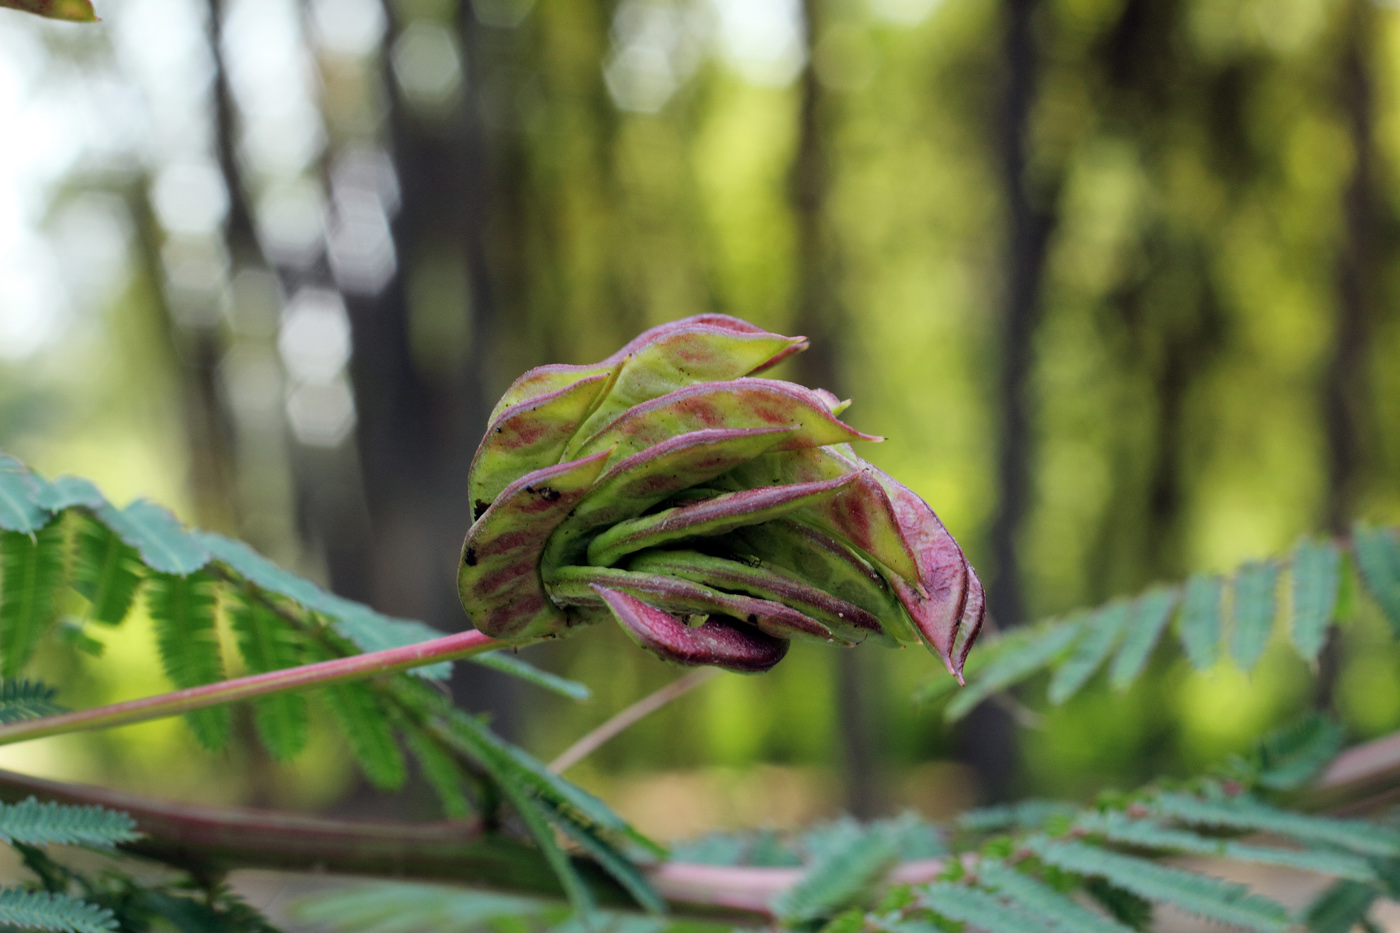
1316	573
268	643
1199	625
1339	908
1101	634
980	909
1378	559
64	492
183	610
1151	612
32	823
853	860
1148	835
19	492
164	544
365	628
1245	813
1197	894
31	573
366	727
398	907
441	773
1041	900
107	571
40	910
1294	755
27	699
507	663
1032	654
1255	586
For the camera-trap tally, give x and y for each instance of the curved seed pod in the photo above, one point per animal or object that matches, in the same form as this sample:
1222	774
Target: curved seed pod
526	435
885	521
847	621
739	403
974	612
708	517
716	642
829	565
498	579
672	438
677	358
574	586
543	380
635	484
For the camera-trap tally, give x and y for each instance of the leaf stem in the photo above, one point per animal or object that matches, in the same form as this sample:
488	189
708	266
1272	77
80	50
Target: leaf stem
633	714
357	667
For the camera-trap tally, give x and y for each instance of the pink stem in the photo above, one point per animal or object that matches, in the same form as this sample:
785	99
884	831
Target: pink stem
448	648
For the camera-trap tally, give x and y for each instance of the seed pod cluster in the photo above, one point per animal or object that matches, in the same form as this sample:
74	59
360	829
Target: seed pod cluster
714	514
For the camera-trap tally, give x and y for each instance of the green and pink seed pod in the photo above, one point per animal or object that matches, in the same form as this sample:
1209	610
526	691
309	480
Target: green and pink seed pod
714	515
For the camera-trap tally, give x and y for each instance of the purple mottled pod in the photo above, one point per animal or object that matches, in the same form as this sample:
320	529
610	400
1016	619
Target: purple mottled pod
712	514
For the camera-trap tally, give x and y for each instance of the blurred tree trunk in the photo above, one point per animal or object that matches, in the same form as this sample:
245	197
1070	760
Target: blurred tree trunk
1345	402
989	738
820	317
418	425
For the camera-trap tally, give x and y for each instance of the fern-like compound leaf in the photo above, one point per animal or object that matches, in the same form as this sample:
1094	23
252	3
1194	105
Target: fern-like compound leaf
1028	656
19	492
1211	898
1340	908
106	570
32	823
40	910
31	573
981	910
1144	834
268	643
1151	612
852	862
1101	635
27	699
366	726
1255	606
1040	900
183	610
1246	813
1378	559
1199	624
1316	573
164	544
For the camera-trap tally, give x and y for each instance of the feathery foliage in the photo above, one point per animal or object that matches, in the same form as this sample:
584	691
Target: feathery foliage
1315	576
32	823
183	610
31	573
27	699
43	910
106	570
268	643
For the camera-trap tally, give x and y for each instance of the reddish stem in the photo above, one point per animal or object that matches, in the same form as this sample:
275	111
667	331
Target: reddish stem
448	648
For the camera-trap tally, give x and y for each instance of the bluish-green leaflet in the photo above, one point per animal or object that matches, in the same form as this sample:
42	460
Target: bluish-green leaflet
1378	558
19	491
1031	654
164	544
1255	587
1199	625
1316	572
1151	612
1101	633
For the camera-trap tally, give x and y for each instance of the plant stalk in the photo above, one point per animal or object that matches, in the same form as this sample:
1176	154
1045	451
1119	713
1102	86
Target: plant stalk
449	648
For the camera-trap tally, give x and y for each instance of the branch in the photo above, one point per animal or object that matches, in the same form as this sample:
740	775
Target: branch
630	716
323	673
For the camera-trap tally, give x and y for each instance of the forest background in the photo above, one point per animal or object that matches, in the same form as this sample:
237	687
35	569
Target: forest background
1118	279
